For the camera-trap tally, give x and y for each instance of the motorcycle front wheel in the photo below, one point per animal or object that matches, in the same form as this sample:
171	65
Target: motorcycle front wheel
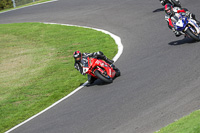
192	35
103	77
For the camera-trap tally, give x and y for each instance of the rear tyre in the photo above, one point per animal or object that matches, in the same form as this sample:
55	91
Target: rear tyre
102	77
192	35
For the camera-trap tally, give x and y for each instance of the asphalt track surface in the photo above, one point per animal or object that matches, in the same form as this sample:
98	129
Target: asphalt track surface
160	79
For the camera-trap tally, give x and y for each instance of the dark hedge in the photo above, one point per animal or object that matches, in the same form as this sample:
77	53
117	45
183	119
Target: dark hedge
4	4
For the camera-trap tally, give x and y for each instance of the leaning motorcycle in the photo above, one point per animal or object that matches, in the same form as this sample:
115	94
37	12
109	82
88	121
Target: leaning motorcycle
186	26
100	69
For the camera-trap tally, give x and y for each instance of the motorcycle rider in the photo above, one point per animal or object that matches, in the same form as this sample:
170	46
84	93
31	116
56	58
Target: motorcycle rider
80	57
171	11
164	2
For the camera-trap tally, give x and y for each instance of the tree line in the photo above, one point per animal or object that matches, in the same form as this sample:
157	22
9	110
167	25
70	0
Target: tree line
4	4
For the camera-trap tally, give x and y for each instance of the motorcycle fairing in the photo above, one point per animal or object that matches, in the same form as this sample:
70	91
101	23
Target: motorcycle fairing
181	23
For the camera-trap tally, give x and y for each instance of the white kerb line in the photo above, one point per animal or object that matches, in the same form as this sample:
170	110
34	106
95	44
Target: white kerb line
120	50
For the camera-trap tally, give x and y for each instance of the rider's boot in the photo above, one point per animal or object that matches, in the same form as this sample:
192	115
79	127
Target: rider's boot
177	34
118	73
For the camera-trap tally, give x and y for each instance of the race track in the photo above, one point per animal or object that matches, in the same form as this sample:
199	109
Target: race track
160	79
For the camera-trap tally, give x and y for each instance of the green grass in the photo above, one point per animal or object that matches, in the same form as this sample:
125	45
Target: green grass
28	4
37	67
187	124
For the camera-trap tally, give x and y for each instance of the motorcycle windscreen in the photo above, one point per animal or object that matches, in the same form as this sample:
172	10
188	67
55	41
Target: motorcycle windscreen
85	62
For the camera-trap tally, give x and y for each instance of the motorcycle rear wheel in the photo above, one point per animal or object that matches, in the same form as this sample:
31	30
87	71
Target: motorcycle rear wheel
102	77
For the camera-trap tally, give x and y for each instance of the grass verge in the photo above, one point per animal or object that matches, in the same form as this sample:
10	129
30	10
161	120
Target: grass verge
187	124
36	66
29	4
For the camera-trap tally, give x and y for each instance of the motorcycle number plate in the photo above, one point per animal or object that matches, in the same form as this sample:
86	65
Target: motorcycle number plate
180	23
85	69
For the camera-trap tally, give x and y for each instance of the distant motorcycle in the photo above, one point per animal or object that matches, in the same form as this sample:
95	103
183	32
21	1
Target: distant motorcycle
174	3
186	26
100	69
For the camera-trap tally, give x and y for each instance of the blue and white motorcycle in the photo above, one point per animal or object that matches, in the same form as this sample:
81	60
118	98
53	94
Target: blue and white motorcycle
186	26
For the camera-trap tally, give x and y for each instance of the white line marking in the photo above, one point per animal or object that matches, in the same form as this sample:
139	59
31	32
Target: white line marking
47	108
28	6
120	50
116	38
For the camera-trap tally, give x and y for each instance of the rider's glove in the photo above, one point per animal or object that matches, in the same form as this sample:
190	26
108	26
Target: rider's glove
184	14
187	13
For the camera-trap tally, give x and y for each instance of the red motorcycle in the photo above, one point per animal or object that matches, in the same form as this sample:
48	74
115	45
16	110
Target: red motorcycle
100	69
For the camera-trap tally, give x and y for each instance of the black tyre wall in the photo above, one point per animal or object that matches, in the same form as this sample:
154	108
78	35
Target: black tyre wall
100	76
191	34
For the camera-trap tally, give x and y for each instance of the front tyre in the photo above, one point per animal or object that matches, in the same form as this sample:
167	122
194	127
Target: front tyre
192	35
102	77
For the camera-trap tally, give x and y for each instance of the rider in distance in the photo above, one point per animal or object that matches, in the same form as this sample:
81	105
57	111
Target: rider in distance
171	11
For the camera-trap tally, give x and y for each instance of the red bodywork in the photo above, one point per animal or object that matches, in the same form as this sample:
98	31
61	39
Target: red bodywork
100	65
